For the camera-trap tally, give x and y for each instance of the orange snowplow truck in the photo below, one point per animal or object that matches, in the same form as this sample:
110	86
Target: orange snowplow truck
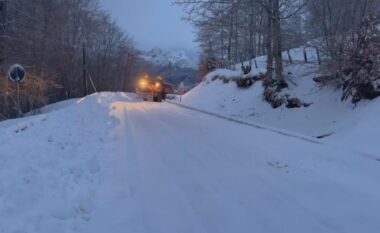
152	89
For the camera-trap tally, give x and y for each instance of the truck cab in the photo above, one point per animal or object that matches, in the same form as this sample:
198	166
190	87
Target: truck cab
152	89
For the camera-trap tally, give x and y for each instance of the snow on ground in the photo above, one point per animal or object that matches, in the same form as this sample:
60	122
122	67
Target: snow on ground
349	126
112	163
49	166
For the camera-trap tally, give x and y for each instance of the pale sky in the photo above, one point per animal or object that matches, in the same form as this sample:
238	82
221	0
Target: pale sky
153	23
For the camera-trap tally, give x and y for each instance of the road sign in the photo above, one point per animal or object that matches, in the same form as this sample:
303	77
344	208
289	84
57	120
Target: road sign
17	73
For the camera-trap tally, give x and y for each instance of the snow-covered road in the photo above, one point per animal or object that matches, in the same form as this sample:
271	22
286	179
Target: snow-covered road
164	169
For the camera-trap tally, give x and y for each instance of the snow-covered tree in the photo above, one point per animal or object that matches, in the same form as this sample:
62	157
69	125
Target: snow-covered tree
361	61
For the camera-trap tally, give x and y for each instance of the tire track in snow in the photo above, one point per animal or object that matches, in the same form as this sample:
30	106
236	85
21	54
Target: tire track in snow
168	210
120	208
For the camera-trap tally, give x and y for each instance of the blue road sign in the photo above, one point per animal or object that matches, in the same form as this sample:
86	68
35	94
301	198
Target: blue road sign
17	73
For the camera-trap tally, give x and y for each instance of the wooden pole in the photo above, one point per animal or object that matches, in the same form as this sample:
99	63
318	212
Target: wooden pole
18	100
84	70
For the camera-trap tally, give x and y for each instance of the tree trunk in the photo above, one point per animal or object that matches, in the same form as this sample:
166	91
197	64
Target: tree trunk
277	41
229	50
269	40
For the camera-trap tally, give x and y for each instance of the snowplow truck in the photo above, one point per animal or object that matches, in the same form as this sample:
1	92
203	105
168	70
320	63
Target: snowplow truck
152	89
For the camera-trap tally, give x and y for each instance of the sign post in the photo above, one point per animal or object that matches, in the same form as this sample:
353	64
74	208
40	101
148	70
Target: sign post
17	74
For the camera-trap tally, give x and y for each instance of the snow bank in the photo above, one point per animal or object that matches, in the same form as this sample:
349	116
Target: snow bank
50	165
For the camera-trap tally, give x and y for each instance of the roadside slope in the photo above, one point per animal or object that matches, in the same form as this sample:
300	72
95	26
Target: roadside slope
342	122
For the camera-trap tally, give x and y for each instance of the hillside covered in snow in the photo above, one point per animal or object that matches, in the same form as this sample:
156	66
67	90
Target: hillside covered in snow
327	117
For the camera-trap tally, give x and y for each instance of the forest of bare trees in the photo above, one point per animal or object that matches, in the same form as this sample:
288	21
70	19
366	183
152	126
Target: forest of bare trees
65	46
234	31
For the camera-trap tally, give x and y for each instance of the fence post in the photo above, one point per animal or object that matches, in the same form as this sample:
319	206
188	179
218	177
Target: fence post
305	55
290	57
319	57
84	69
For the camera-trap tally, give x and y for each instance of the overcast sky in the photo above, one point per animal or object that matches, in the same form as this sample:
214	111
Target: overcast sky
152	23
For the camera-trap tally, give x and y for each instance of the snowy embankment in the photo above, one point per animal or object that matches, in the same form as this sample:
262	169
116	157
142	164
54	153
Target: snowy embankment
327	115
49	165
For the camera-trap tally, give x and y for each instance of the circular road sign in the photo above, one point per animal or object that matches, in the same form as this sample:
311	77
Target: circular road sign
17	73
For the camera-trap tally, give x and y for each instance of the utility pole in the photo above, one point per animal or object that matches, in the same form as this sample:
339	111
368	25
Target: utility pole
84	69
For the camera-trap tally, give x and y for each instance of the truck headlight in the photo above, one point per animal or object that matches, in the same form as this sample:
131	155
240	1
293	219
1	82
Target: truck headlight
143	83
